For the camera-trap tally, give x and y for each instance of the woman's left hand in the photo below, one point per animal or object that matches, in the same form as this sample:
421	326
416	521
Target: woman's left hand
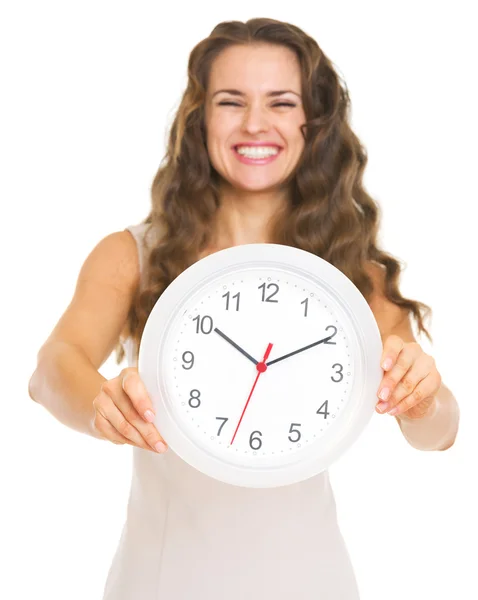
411	379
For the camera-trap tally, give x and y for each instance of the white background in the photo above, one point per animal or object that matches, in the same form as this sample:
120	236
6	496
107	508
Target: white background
88	89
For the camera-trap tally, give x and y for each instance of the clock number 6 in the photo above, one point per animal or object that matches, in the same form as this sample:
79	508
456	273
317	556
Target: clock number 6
255	439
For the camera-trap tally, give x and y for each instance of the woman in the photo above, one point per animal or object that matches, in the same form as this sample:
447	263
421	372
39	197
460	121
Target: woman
260	151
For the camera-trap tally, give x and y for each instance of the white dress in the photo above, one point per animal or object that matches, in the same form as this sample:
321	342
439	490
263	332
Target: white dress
188	536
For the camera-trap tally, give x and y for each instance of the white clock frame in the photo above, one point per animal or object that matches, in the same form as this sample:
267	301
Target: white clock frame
367	347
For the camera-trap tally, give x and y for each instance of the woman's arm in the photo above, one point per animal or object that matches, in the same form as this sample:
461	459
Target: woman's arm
65	383
66	379
437	429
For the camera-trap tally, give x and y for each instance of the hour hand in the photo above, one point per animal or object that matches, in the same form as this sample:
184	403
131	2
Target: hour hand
323	340
241	350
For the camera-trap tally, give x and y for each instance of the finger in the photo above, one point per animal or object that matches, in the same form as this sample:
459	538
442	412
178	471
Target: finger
134	387
391	349
128	422
404	361
130	416
419	370
111	413
107	430
422	398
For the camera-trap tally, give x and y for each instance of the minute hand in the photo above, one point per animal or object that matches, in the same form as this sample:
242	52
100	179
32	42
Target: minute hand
271	362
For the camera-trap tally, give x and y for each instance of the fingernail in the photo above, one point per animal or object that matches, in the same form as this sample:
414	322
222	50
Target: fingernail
384	394
382	406
160	447
149	416
387	363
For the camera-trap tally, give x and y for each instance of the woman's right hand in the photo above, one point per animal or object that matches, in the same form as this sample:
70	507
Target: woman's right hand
124	412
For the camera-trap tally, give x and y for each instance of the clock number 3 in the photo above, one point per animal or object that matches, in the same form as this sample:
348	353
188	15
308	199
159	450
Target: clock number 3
340	372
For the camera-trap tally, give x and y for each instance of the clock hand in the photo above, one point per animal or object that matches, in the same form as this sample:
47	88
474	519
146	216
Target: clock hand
299	350
223	335
261	367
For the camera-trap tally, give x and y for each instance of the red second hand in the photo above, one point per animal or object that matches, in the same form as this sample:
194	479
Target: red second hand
261	367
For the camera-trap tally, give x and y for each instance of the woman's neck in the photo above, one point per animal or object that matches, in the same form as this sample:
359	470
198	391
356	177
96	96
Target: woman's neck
245	217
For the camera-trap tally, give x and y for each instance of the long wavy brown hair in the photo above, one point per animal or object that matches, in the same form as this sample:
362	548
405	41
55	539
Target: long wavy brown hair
329	213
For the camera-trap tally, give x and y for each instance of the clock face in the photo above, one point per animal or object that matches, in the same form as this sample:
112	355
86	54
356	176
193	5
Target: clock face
258	369
294	400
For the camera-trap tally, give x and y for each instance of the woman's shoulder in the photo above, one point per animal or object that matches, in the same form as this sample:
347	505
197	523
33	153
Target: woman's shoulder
146	235
114	260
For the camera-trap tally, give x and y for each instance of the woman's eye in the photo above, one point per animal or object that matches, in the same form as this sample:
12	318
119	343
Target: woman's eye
228	103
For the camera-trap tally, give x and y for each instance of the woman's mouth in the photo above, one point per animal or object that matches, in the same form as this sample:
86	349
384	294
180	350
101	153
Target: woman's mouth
257	155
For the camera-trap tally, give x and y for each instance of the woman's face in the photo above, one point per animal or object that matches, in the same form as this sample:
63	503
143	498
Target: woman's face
254	102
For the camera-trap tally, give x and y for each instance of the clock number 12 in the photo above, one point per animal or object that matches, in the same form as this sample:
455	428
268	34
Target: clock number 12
269	298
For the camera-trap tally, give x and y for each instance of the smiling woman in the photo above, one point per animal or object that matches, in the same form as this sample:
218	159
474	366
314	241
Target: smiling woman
268	106
261	150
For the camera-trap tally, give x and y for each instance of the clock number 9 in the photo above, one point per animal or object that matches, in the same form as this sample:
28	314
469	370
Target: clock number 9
292	430
255	439
200	324
340	372
188	361
194	396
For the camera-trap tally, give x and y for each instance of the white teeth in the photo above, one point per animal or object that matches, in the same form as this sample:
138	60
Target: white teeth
257	151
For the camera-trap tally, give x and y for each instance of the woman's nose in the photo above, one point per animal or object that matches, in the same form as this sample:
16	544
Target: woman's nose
255	120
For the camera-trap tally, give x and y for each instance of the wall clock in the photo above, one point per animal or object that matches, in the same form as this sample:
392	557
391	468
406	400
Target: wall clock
263	363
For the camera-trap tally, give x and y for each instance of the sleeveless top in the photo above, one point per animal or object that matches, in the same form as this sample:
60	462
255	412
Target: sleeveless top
188	536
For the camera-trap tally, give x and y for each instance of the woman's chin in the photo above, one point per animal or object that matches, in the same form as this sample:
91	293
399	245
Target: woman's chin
257	186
